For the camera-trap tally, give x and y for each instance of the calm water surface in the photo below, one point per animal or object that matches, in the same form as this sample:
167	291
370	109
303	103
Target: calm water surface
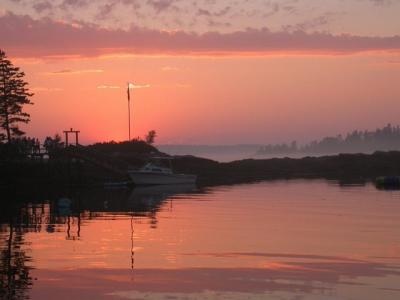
275	240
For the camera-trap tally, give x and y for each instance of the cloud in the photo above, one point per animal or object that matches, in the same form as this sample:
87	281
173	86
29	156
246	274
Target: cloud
45	89
131	86
312	24
160	5
106	10
138	86
74	3
169	69
68	72
381	2
24	37
42	6
208	13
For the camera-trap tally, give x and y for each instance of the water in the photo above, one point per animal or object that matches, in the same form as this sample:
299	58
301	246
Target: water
273	240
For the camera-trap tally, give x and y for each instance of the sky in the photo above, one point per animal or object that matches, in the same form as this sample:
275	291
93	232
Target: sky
208	71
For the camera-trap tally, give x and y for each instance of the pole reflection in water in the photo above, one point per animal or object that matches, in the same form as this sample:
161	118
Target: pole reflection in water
33	215
132	251
275	240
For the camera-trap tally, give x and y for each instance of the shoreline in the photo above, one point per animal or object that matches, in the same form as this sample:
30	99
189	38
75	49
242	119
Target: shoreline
345	167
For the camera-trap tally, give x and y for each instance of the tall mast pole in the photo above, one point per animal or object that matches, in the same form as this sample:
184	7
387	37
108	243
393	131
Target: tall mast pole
129	113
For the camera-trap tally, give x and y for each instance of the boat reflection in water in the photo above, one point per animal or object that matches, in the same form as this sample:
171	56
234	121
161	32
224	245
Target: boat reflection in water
138	201
272	240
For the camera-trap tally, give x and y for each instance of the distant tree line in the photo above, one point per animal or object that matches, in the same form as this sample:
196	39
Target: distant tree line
116	148
384	139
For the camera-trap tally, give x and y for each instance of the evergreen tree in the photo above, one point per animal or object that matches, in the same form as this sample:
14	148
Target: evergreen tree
13	95
150	137
53	145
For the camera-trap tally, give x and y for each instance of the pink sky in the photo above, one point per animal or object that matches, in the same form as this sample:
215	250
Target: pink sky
265	72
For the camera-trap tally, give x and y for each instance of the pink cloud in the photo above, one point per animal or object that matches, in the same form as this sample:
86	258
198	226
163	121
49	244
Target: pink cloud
21	36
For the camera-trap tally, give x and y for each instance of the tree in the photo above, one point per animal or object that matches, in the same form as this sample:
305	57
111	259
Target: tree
150	137
13	95
52	145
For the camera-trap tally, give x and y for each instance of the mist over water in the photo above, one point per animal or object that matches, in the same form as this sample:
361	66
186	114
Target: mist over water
386	138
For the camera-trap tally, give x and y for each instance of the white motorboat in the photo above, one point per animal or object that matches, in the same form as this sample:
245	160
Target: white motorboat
153	174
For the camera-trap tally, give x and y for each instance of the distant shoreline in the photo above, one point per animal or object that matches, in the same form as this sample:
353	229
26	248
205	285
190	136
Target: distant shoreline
345	167
352	167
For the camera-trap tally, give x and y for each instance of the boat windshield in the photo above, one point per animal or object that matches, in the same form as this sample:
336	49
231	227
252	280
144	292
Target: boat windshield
150	167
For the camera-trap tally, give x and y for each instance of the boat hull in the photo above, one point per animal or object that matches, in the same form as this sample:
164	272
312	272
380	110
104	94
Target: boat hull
146	178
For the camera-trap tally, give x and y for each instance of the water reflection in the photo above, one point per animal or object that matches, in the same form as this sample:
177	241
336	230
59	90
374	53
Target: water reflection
31	213
15	276
22	211
275	240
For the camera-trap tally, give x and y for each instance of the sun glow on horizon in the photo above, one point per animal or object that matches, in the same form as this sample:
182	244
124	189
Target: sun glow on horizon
222	78
229	100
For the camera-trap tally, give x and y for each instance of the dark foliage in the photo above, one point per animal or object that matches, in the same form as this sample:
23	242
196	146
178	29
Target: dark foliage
341	167
345	167
15	279
150	137
13	96
53	145
123	148
20	148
